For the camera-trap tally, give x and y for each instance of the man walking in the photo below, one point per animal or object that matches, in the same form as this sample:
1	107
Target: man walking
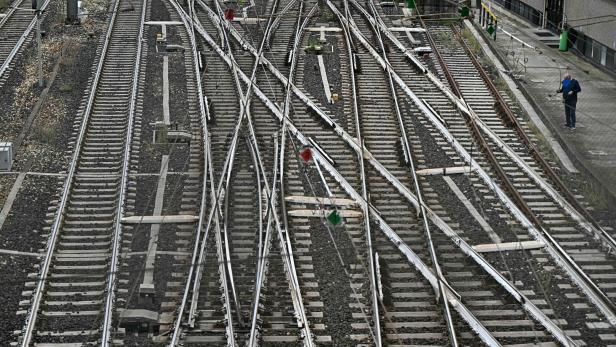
570	88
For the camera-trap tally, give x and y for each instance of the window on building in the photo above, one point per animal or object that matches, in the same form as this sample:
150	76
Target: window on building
596	52
588	47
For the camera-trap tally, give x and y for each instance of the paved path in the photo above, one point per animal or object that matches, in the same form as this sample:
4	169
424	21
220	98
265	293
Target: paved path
592	146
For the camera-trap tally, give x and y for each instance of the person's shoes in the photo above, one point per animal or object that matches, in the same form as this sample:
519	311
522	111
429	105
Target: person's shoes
568	126
572	128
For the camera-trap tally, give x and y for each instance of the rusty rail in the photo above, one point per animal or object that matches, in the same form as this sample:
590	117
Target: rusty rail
483	144
606	305
505	112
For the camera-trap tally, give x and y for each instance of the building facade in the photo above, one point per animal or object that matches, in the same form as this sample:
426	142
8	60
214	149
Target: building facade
591	24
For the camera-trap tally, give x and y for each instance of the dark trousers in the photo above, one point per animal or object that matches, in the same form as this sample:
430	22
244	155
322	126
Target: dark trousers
570	112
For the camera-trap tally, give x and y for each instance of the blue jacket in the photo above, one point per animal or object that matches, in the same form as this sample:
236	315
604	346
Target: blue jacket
570	86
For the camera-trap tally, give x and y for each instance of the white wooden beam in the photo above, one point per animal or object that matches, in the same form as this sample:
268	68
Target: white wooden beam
508	246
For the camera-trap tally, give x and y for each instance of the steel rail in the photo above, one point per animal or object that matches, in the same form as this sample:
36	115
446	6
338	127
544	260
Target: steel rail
376	317
411	256
442	225
285	245
287	256
117	233
223	274
53	234
408	154
204	112
592	291
568	202
300	312
214	217
503	197
276	21
9	13
262	264
244	113
289	264
5	64
228	163
299	29
471	122
264	248
595	294
287	252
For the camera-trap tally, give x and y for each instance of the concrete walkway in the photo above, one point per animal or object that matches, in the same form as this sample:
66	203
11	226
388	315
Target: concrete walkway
538	71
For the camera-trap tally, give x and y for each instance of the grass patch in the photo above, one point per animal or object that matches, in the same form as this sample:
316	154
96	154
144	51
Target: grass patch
471	41
542	144
326	13
69	55
44	132
444	36
65	88
595	196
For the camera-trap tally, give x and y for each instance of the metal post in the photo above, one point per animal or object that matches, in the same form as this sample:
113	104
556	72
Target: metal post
544	14
39	47
564	21
72	12
481	16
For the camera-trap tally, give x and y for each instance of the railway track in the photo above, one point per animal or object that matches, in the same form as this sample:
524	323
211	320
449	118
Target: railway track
72	298
504	334
387	135
154	264
244	228
457	128
360	337
404	267
16	29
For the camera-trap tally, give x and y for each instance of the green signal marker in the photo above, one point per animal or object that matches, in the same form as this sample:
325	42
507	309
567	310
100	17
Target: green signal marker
490	29
464	12
334	218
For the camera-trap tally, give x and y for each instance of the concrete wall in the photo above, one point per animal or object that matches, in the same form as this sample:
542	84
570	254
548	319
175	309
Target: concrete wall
604	32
